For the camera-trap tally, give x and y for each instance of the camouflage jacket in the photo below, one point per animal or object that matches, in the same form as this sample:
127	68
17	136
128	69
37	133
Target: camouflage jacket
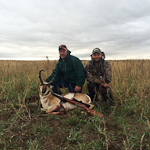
98	72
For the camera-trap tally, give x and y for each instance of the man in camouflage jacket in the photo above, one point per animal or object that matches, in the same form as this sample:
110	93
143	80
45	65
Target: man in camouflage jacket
99	74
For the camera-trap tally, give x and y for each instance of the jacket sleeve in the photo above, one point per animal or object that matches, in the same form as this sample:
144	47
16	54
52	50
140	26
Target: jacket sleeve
79	71
108	72
90	75
56	74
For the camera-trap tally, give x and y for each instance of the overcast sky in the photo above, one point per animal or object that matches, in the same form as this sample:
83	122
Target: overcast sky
33	29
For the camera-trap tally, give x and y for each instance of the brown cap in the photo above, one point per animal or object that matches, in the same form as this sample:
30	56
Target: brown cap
62	47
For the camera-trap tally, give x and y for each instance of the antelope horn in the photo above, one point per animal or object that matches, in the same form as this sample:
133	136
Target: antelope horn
40	76
52	79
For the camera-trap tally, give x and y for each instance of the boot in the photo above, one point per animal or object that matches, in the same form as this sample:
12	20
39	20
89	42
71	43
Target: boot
104	97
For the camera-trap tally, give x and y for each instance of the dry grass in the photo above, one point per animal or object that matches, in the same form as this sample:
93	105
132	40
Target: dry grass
124	126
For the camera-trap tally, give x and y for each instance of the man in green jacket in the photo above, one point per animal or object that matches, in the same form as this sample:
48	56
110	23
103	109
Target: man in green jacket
69	72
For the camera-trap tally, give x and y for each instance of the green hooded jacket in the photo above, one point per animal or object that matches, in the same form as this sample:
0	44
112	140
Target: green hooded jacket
71	71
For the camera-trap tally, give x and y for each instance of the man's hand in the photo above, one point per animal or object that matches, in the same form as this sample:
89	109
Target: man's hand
105	85
77	88
44	82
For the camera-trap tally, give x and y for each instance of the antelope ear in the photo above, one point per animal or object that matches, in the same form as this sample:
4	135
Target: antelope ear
45	82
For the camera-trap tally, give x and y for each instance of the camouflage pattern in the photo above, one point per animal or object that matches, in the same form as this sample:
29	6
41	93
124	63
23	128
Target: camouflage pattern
98	72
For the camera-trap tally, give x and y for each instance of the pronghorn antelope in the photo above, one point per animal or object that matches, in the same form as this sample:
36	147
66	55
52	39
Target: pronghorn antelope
52	104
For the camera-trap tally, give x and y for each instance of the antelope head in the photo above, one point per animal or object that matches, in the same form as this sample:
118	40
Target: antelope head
44	86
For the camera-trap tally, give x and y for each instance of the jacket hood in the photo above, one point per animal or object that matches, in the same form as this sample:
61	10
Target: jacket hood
69	52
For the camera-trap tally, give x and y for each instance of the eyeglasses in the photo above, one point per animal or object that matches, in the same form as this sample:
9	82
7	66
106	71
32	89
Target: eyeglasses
96	49
62	46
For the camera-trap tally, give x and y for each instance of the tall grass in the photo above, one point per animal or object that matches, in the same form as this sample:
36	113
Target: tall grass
124	126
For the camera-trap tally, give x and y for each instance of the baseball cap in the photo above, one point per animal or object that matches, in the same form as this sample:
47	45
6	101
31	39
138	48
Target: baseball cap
96	50
62	47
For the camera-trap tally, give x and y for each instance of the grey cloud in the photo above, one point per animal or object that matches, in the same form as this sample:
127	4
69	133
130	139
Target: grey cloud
117	27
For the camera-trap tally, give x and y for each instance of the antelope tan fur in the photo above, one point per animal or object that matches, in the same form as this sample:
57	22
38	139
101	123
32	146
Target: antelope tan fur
51	104
93	112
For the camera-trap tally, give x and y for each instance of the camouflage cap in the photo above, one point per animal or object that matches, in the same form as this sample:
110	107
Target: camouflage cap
96	50
62	47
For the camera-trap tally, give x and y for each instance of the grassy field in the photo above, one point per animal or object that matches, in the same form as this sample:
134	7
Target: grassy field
24	126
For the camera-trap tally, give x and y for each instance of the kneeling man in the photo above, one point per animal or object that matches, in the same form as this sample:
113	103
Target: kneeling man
99	74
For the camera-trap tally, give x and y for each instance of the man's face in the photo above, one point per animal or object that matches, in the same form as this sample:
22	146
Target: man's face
63	53
96	57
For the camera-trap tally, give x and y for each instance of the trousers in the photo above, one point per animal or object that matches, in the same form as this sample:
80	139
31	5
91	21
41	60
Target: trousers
61	84
106	93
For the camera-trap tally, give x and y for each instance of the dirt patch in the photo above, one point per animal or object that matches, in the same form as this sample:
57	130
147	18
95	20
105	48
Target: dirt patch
25	132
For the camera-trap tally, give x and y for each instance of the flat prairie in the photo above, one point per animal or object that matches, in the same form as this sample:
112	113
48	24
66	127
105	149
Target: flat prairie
124	126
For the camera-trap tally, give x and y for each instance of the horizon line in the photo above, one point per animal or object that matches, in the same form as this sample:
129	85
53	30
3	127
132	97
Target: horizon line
44	59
